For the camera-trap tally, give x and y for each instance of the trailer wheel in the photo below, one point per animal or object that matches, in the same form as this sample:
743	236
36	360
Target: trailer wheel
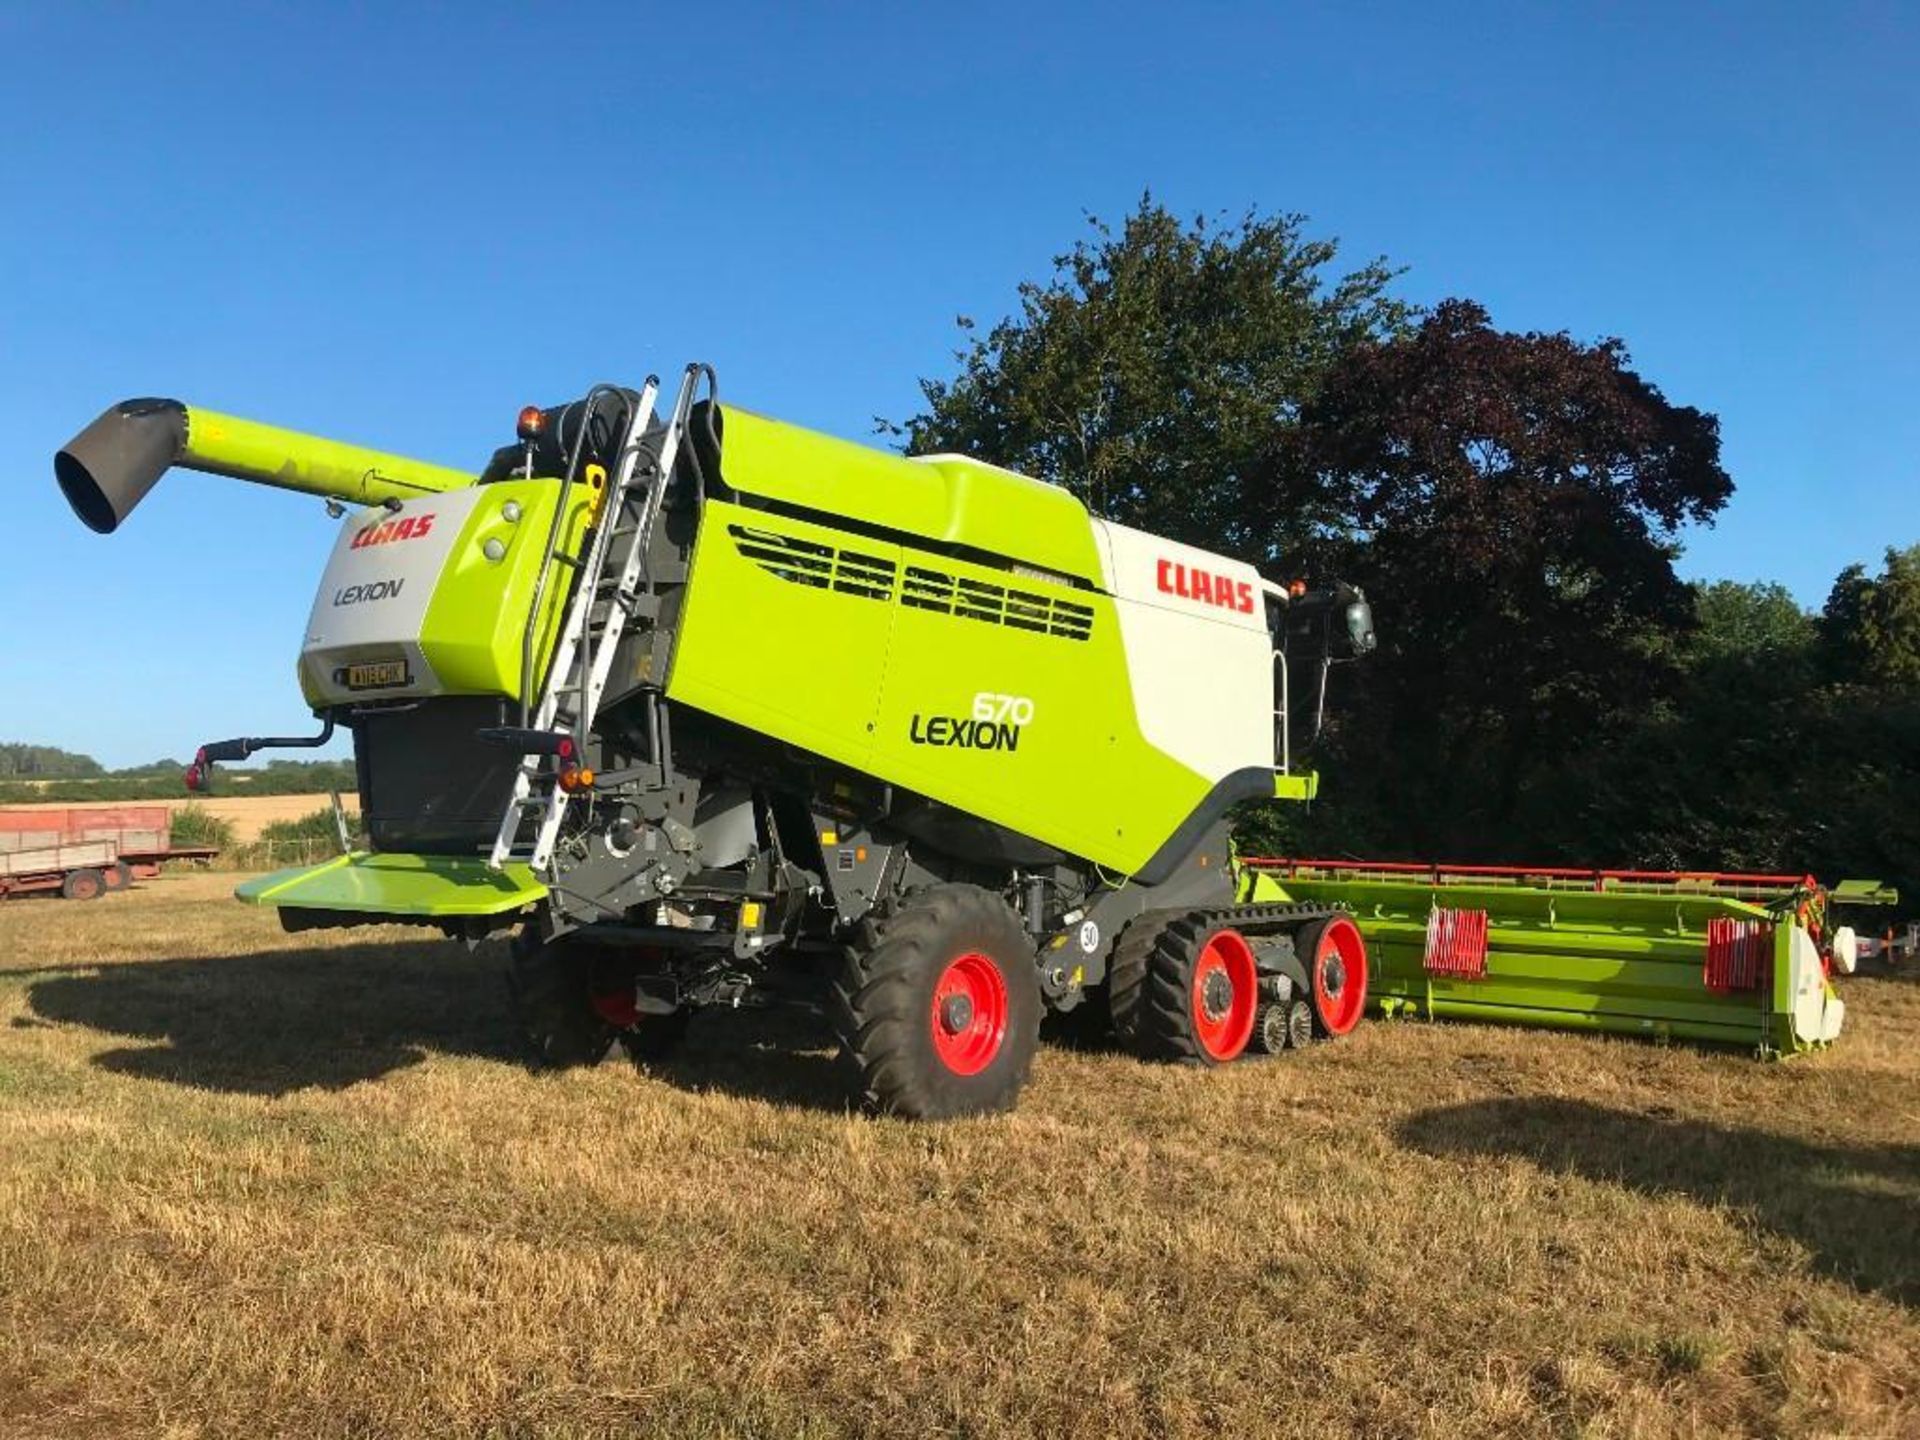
1200	996
1337	964
553	999
939	1013
84	885
119	877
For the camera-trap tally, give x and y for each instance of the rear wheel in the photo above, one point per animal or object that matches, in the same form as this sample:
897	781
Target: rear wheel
1195	999
652	1039
647	1037
84	885
554	1001
939	1013
119	877
1336	960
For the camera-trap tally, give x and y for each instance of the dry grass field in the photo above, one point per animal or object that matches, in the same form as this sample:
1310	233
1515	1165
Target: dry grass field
264	1185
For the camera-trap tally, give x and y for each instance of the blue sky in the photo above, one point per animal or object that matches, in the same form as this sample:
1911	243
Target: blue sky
396	224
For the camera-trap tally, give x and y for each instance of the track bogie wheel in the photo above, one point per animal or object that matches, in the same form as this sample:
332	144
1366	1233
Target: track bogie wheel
1270	1028
1299	1024
84	885
938	1009
1336	960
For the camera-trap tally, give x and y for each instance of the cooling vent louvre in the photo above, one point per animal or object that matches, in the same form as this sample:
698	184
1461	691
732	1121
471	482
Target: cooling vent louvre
975	600
807	562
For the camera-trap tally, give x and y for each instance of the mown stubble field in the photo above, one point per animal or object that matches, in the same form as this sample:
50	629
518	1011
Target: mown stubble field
254	1184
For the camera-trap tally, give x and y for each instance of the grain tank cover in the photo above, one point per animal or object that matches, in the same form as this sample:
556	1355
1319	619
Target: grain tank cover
943	498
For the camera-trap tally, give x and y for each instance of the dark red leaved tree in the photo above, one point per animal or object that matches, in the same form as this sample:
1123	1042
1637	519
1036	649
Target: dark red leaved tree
1512	504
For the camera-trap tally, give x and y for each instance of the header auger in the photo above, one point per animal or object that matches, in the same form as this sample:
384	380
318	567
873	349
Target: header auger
707	709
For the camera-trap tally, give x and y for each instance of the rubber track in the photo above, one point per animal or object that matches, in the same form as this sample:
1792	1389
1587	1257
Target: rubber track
1150	972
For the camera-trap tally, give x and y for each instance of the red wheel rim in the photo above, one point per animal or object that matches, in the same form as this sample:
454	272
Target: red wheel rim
1226	993
611	989
1340	975
617	1008
969	1013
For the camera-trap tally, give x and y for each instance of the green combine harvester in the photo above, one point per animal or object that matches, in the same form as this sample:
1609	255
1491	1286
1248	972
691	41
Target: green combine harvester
707	710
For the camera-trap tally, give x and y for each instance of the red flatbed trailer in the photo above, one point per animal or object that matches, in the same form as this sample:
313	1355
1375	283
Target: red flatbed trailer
85	851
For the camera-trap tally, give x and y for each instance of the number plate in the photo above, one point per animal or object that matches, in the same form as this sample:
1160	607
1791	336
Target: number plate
377	675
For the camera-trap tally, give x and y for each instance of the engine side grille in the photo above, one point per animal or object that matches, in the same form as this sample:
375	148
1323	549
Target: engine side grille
871	577
934	590
806	562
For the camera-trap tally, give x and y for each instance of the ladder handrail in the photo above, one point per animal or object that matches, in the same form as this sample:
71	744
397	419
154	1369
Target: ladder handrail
624	591
580	606
1283	713
582	660
575	619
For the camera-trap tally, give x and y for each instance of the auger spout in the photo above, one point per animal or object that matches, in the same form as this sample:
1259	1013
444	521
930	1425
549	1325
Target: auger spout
109	467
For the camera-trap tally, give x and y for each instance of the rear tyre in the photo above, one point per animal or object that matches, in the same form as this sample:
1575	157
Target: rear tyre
612	991
84	885
1200	996
119	877
1336	959
654	1039
939	1013
554	1003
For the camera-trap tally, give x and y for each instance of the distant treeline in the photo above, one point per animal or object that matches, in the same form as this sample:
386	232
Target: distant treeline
45	773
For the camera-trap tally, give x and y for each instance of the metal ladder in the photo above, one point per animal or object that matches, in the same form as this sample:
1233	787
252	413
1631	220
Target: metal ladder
605	595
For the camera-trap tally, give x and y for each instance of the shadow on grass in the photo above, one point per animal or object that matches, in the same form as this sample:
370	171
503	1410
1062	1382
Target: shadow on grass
285	1020
788	1056
1856	1208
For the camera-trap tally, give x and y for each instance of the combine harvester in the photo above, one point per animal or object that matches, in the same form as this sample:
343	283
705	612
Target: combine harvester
706	709
711	710
1730	959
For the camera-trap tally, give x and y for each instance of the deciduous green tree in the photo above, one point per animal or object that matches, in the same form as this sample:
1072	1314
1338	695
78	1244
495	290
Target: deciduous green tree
1873	622
1149	374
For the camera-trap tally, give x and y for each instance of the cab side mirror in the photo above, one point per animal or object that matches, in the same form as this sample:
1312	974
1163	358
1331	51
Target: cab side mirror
1360	626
